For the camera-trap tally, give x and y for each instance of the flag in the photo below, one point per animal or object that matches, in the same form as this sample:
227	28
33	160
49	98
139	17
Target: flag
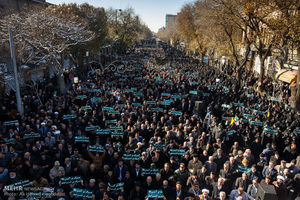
232	121
236	121
268	115
227	121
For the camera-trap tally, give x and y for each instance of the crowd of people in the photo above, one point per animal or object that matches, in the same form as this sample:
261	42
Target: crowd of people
179	131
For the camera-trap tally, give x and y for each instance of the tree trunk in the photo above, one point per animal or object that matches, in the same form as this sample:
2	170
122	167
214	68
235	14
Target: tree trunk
62	84
298	82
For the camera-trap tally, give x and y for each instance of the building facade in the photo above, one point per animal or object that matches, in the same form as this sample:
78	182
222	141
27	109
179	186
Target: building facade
170	20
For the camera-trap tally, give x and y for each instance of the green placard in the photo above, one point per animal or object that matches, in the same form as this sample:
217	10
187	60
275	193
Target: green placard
96	90
136	104
249	116
164	94
177	152
82	139
115	112
117	134
24	183
96	148
258	112
116	128
243	169
250	95
151	102
244	120
121	105
193	92
156	194
96	99
134	89
84	193
117	186
150	171
81	97
177	113
131	156
114	121
108	109
91	128
138	94
256	123
297	131
86	108
70	179
269	130
206	94
9	123
157	110
68	116
31	135
176	96
84	89
231	132
275	99
102	131
211	86
137	78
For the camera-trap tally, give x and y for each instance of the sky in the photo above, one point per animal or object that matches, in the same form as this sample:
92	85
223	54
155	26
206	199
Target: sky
152	12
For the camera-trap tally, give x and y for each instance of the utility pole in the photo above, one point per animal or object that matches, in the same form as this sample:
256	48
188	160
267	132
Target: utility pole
13	58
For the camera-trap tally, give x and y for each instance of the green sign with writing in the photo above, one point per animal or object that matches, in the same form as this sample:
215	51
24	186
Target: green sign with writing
70	179
84	193
157	194
96	148
131	156
177	152
82	139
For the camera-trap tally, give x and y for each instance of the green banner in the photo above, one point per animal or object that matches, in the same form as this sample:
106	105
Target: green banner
81	97
250	95
70	179
102	131
297	131
211	86
86	108
137	78
244	120
238	104
256	123
82	139
258	112
156	194
136	104
117	186
176	96
177	152
243	169
114	121
9	123
121	105
138	94
91	128
31	135
231	132
117	134
108	108
96	90
96	148
193	92
150	171
275	99
151	102
157	110
178	113
249	116
164	94
84	193
116	128
113	112
24	183
269	130
131	156
68	116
